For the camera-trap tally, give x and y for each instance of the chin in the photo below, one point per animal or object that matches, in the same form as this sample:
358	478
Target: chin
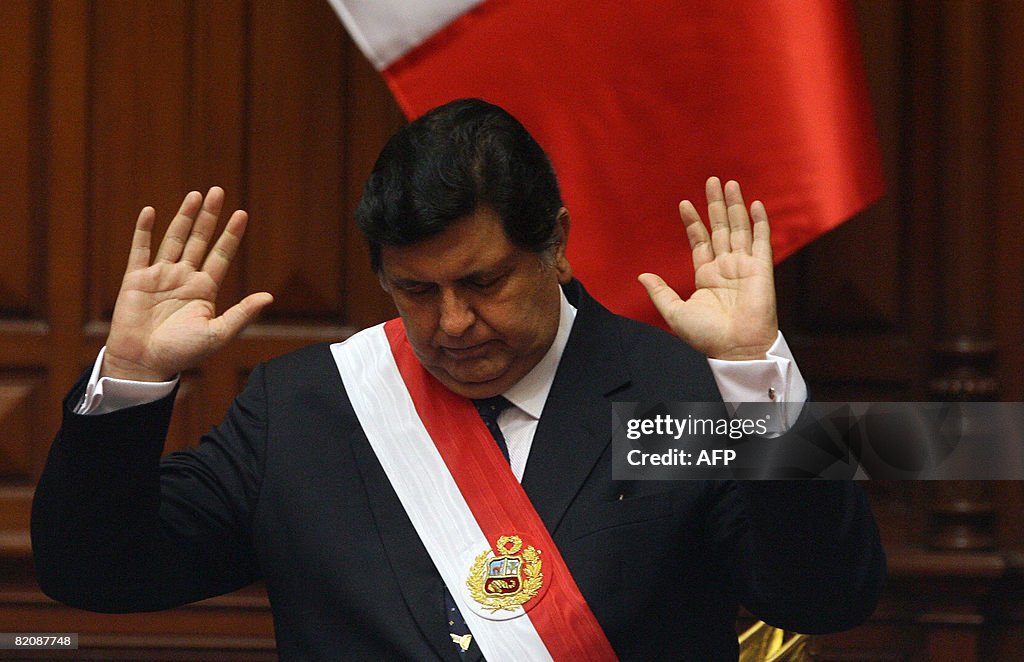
479	395
475	388
473	378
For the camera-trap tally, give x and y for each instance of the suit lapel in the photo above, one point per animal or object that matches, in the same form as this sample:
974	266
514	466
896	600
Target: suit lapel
575	429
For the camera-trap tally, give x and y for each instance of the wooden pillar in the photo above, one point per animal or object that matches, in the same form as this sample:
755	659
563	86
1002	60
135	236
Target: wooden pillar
963	356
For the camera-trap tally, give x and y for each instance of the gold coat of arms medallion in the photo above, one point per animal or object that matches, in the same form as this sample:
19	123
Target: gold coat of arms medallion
507	580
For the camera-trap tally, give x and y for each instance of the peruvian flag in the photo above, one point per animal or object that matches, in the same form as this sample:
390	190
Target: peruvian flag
639	101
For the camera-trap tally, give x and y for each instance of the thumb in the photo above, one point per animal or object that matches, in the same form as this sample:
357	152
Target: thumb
240	315
663	296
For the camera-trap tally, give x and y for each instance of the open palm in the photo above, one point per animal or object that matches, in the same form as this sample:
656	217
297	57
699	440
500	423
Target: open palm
731	314
165	318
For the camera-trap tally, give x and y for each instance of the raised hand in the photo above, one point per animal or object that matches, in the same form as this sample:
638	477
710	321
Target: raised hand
165	318
732	313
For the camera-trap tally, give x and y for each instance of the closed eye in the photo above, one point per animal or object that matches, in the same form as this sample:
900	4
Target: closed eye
485	282
413	287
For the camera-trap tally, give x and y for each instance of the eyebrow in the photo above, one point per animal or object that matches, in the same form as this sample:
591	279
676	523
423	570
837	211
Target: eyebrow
407	282
502	268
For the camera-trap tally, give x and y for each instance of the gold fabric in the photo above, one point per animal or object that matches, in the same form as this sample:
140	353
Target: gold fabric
764	643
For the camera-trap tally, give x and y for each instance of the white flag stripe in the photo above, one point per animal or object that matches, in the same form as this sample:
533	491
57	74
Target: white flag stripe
427	490
385	30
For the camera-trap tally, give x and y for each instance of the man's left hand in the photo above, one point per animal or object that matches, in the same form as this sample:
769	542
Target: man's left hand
732	314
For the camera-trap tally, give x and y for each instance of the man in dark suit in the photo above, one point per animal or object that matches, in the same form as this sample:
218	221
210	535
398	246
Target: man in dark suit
468	234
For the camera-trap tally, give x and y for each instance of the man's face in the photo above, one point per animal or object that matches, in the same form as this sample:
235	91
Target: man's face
479	311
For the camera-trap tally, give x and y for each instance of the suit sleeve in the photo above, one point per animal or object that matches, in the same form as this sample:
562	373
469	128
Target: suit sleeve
805	555
117	529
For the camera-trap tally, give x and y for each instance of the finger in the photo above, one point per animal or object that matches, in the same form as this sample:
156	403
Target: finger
223	252
663	296
739	222
179	229
718	216
697	234
138	256
203	228
240	315
762	247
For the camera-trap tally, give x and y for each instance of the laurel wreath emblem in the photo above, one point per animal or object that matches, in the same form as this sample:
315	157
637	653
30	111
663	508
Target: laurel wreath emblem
532	577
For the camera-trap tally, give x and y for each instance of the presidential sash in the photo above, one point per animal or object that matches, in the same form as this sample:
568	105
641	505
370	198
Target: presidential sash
472	515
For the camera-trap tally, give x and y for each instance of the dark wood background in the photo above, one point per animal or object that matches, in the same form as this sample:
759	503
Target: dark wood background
108	105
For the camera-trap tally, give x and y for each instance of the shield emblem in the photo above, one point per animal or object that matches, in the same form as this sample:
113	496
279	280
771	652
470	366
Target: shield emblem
508	579
503	576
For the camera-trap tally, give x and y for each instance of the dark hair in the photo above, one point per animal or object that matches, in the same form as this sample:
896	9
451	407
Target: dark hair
453	160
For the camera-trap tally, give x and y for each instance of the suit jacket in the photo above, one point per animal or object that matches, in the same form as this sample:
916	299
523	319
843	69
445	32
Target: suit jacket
288	490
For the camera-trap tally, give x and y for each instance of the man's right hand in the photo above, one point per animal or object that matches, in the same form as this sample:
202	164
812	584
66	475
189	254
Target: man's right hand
165	317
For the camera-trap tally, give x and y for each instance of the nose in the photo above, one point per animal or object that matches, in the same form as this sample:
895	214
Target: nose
456	314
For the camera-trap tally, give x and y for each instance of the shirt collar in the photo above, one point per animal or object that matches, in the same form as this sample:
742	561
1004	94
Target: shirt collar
531	392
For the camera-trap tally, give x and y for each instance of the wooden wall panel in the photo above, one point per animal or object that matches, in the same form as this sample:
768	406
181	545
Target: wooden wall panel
219	110
138	131
110	106
219	53
24	316
1005	185
21	403
966	133
295	163
22	250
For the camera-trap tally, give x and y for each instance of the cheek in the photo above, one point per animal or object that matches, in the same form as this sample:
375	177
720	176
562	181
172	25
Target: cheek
520	326
420	323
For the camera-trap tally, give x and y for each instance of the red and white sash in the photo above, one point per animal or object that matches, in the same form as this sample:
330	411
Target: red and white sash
463	499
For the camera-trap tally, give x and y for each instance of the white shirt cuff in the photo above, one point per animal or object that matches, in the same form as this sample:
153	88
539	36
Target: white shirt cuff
104	395
775	378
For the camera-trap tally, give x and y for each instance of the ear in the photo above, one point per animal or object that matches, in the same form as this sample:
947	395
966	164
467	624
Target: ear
384	285
561	262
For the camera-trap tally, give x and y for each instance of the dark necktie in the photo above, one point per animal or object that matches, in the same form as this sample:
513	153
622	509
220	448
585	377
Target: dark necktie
489	410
